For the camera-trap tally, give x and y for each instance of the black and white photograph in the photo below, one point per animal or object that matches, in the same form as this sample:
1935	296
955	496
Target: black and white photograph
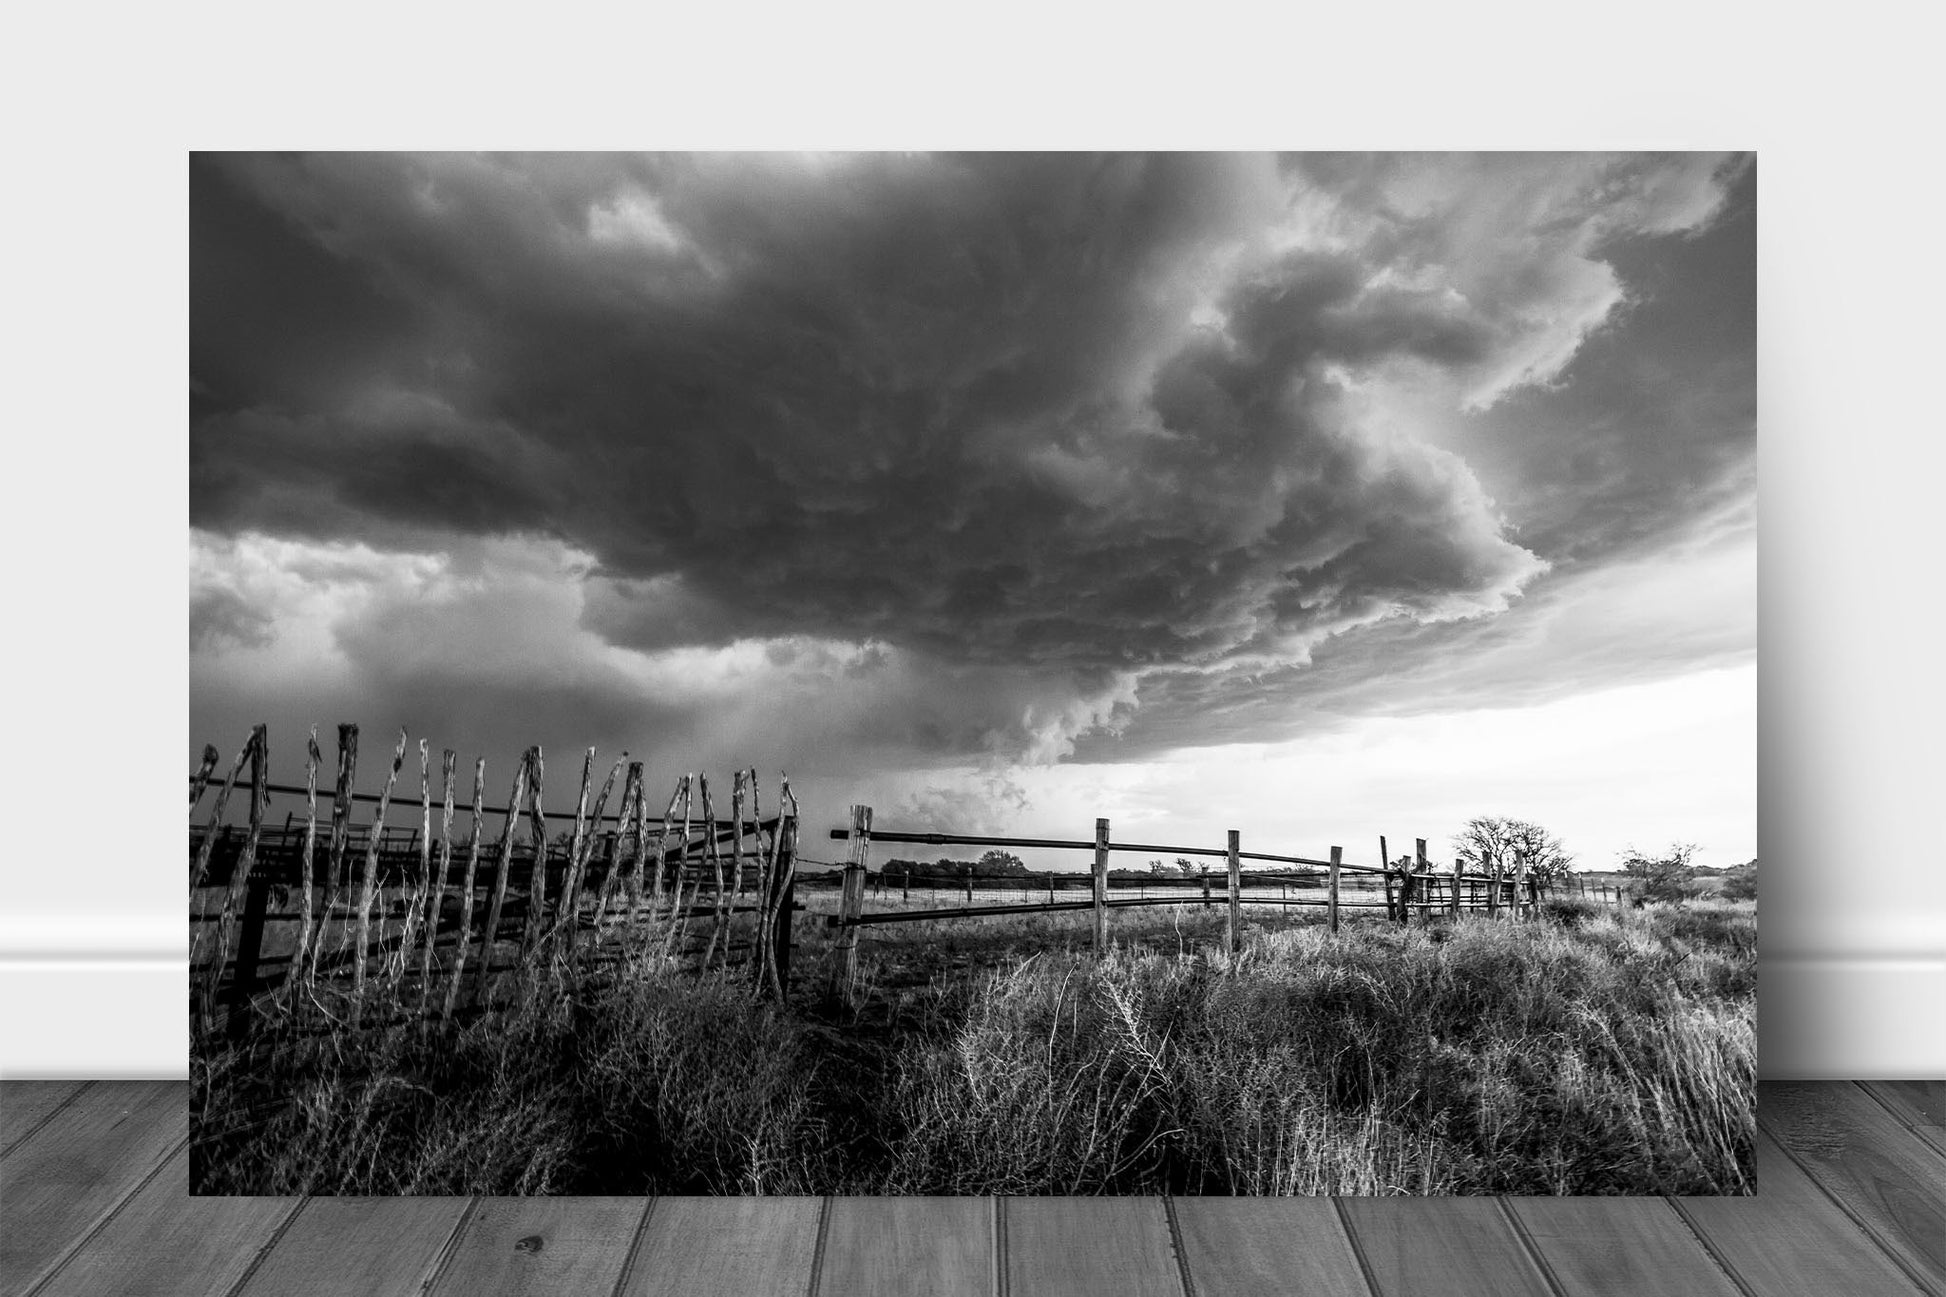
1019	674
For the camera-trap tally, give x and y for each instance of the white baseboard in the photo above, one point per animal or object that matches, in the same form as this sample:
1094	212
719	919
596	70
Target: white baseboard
1822	1017
115	1005
96	1018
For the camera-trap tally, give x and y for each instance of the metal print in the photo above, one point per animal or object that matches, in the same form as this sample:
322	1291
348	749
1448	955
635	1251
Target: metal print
1021	674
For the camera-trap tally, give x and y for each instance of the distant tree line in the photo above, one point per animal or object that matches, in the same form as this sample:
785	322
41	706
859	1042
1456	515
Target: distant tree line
993	864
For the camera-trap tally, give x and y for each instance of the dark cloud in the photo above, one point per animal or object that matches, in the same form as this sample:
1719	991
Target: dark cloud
1011	449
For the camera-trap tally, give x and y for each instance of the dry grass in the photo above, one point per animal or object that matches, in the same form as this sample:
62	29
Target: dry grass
1589	1051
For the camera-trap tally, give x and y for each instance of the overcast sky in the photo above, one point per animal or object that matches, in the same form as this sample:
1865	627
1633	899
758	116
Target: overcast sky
1318	497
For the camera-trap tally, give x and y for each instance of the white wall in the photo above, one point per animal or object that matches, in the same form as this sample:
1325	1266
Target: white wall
1853	912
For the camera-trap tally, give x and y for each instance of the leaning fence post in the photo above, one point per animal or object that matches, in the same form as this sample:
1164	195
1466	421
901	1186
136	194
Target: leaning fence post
250	945
851	899
259	748
1101	887
370	882
503	866
1337	859
786	907
1236	891
200	780
537	833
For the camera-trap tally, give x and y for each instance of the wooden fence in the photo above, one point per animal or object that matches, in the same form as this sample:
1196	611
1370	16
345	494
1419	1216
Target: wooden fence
433	924
1419	888
398	917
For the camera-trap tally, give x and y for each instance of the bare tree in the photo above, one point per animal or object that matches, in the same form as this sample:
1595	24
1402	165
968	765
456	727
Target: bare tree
1488	840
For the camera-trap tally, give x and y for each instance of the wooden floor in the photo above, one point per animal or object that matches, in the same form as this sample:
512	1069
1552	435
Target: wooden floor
1851	1203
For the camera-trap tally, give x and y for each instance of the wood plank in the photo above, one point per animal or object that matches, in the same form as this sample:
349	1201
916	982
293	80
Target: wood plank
359	1247
1619	1247
1870	1163
516	1246
725	1247
1267	1247
1089	1246
28	1104
926	1247
1789	1240
1915	1103
165	1243
1456	1247
1921	1105
88	1157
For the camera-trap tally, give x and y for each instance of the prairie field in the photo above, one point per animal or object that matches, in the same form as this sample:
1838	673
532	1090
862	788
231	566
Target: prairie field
1589	1049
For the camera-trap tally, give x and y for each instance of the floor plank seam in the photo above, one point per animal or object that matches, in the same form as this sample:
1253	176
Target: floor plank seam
450	1250
88	1235
1879	1101
263	1250
46	1117
1176	1245
634	1247
1917	1129
1737	1281
1357	1247
817	1253
1533	1249
999	1246
1918	1280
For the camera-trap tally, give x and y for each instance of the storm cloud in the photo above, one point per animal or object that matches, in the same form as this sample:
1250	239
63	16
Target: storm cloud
957	458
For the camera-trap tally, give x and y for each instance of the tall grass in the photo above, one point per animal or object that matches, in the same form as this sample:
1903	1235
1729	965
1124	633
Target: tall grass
1587	1051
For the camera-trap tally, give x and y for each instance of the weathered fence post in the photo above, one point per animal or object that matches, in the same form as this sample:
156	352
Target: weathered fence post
502	867
200	780
463	936
369	883
1520	883
1337	859
1385	866
415	896
1422	878
1101	887
966	872
259	748
1493	897
851	900
571	879
305	881
1236	892
436	898
537	834
786	907
1458	871
630	814
1205	876
250	945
